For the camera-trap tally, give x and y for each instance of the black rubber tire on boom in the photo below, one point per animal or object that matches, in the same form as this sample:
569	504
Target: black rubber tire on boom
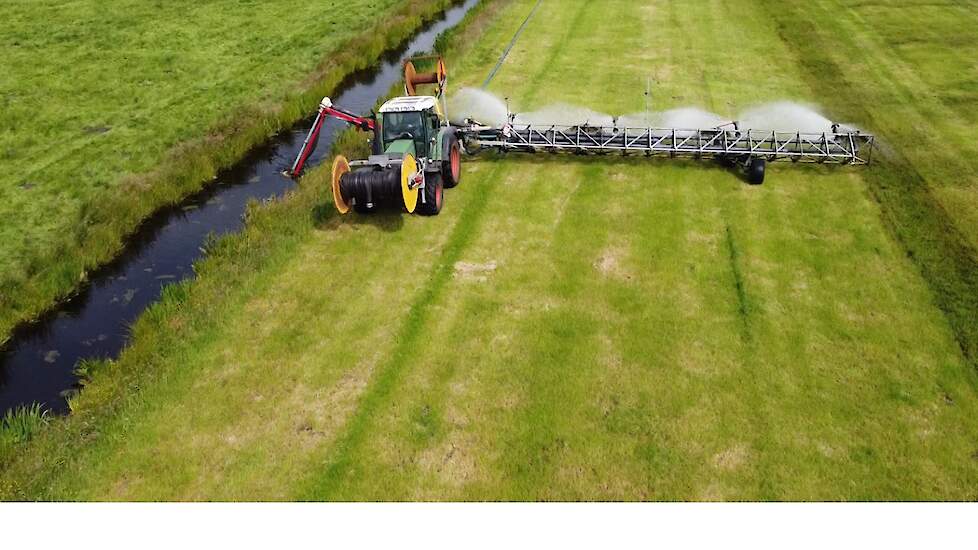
755	171
451	167
430	203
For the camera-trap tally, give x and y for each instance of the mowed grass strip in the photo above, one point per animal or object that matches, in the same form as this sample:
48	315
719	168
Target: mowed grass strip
924	178
568	328
787	371
917	83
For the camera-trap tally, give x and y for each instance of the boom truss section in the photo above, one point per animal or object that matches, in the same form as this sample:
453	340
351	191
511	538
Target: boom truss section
835	147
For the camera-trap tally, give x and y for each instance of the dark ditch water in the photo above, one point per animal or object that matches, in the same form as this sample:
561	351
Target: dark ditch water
38	363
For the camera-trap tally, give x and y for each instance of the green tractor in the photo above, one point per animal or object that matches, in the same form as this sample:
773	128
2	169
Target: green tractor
416	153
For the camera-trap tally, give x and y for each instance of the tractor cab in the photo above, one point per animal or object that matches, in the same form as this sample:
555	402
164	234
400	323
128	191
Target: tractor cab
409	125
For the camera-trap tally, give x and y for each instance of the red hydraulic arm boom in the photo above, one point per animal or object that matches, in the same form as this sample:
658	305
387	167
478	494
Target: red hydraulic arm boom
326	109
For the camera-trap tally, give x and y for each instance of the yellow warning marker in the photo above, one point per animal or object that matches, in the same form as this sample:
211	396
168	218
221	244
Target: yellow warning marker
340	166
409	168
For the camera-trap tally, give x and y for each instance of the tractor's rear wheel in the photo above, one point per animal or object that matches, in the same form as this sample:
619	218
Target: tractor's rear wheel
451	168
433	196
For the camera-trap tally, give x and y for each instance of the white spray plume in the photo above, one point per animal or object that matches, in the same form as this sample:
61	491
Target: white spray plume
476	104
563	114
639	120
783	116
689	118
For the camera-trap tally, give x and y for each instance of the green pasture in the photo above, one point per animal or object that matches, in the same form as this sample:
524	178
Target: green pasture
578	328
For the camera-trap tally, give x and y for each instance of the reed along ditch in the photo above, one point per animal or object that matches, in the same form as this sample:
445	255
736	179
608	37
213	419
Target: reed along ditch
38	363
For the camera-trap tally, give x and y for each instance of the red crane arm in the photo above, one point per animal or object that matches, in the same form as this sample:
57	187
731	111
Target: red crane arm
364	123
326	109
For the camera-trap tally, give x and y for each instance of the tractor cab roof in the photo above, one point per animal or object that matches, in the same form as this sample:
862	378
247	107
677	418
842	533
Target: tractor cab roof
409	104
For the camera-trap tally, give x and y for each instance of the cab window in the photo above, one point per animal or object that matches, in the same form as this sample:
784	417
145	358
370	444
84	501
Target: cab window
396	125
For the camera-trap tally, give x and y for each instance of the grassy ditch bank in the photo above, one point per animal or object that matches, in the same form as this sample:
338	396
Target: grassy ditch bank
96	143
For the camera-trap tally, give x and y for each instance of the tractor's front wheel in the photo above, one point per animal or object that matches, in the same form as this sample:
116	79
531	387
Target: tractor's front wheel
433	196
451	168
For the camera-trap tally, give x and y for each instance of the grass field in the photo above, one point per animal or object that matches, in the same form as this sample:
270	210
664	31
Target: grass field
109	110
574	328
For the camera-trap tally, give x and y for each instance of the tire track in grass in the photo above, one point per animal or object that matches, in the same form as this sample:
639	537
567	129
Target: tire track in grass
744	421
752	365
389	375
537	443
408	336
733	253
750	362
504	240
445	389
743	306
539	439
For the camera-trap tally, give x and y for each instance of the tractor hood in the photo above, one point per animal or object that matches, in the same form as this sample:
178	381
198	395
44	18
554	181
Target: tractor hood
401	147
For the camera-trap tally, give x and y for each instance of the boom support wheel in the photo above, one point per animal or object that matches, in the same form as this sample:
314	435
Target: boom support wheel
755	170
